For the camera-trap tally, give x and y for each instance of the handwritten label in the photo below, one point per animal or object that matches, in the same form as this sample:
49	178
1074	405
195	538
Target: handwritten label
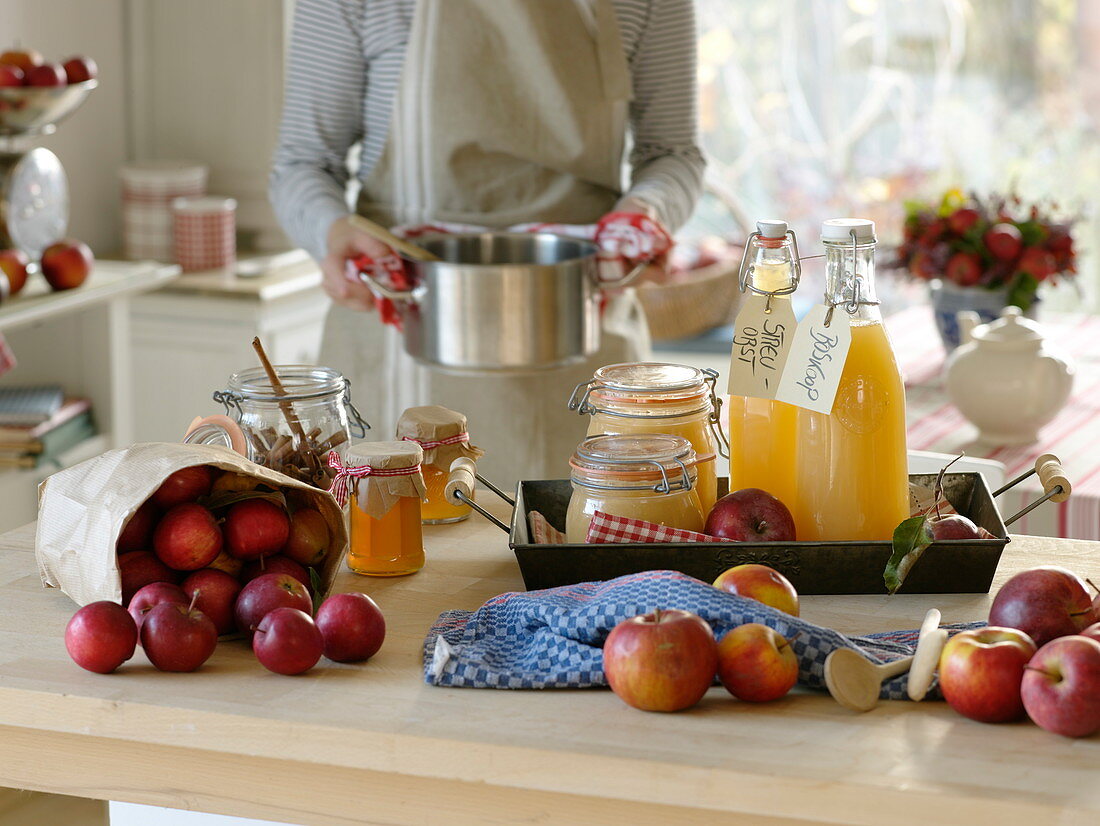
816	361
761	342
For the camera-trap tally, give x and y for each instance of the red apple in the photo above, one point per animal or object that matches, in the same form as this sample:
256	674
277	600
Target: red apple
309	537
137	533
101	636
1003	241
66	264
48	74
981	670
1038	262
152	595
79	69
255	528
178	637
277	564
761	583
287	641
964	269
1045	603
13	263
25	59
352	627
756	663
138	568
215	593
961	220
187	537
1061	687
185	485
1092	632
11	75
953	526
661	661
266	593
750	515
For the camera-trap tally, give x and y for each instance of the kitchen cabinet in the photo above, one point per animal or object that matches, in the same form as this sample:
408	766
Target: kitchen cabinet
189	337
79	339
373	743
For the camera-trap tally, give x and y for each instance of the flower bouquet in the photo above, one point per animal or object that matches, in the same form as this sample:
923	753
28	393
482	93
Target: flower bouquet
999	244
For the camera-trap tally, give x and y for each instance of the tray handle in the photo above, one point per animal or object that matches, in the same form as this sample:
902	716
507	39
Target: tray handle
1056	484
460	489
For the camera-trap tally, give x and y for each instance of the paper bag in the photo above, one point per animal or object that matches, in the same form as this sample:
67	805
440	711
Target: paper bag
82	510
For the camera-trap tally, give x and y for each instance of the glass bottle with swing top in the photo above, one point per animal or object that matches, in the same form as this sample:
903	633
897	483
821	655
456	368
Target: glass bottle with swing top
851	473
762	430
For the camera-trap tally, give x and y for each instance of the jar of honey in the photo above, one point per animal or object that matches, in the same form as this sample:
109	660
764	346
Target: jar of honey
650	397
442	434
383	483
652	477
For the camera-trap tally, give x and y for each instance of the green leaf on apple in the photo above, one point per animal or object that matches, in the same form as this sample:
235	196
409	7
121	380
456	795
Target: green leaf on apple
231	497
911	538
318	586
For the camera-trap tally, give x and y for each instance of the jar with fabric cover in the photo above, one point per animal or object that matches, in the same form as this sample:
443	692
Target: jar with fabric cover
290	429
384	487
443	435
650	397
651	477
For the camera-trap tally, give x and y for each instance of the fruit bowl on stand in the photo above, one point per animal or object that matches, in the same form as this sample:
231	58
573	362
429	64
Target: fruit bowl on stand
36	110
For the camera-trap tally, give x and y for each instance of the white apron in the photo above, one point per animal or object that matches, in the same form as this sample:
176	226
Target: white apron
508	111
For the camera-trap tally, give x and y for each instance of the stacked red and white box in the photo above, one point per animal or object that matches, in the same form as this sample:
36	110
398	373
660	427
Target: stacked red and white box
148	190
204	233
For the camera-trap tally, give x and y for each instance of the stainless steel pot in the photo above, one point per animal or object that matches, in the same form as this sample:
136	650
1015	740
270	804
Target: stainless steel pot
502	302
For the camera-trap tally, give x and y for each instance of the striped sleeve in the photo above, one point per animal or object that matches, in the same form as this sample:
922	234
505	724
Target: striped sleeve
666	160
322	118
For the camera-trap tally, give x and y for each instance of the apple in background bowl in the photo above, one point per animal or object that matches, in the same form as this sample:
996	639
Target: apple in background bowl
761	583
750	515
981	671
66	264
48	74
24	59
1045	602
79	69
11	75
661	661
756	663
13	262
1061	686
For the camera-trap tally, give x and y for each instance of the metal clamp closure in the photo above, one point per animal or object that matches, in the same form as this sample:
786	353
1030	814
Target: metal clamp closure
746	270
710	376
577	401
230	401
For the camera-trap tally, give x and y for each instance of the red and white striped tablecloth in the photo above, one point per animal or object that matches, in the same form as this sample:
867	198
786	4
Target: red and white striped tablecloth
935	424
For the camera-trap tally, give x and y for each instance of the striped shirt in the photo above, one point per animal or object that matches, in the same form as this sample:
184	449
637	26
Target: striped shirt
343	69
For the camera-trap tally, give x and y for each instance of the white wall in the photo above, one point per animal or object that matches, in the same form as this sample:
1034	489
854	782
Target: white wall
92	143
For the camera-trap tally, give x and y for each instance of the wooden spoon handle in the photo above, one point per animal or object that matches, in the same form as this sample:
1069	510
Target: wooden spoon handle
888	670
386	237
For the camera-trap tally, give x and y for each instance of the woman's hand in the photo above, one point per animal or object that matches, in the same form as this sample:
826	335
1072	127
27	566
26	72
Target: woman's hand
630	236
349	251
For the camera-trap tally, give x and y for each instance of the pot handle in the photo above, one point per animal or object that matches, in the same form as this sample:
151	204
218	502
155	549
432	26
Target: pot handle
626	280
381	290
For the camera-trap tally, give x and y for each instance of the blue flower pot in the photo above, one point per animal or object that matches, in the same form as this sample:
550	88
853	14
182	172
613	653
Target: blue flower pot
948	299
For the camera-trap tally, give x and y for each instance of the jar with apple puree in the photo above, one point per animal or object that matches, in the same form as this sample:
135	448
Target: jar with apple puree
384	487
442	434
290	429
651	477
651	397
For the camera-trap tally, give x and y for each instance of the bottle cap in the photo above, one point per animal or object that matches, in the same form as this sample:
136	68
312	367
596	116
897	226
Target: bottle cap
772	228
840	229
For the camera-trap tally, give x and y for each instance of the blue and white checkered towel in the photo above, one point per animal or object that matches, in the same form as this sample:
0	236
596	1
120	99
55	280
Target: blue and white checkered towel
553	638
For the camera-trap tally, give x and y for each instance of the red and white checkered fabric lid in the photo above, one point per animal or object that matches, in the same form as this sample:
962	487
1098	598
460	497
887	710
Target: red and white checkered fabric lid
606	527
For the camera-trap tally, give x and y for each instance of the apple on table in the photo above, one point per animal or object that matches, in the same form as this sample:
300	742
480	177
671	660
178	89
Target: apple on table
266	593
66	264
13	262
981	671
756	663
1044	602
1061	686
152	595
178	637
101	636
352	627
762	583
287	641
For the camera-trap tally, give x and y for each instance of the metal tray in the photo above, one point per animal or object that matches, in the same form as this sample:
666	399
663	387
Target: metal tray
956	566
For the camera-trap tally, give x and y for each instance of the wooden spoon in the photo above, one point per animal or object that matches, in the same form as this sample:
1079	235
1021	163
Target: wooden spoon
386	237
855	682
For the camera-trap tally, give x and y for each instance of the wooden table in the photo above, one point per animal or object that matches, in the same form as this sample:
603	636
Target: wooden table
374	744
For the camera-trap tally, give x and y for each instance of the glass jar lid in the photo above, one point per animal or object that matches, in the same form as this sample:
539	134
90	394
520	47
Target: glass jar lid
646	390
384	455
651	377
656	461
300	382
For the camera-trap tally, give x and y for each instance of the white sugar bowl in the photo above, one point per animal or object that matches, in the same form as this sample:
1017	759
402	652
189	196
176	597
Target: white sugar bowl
1006	379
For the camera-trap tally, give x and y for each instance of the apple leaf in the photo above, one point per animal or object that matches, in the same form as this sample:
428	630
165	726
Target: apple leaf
231	497
318	588
911	537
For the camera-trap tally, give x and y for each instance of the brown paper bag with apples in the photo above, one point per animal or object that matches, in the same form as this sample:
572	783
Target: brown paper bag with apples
82	511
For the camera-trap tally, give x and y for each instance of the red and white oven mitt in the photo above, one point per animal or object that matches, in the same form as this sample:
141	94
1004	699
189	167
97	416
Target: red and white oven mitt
390	271
626	239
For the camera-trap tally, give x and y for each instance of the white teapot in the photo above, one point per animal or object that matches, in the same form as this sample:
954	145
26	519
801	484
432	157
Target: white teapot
1006	379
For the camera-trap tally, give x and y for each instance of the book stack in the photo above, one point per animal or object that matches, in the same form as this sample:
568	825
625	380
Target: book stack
39	424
